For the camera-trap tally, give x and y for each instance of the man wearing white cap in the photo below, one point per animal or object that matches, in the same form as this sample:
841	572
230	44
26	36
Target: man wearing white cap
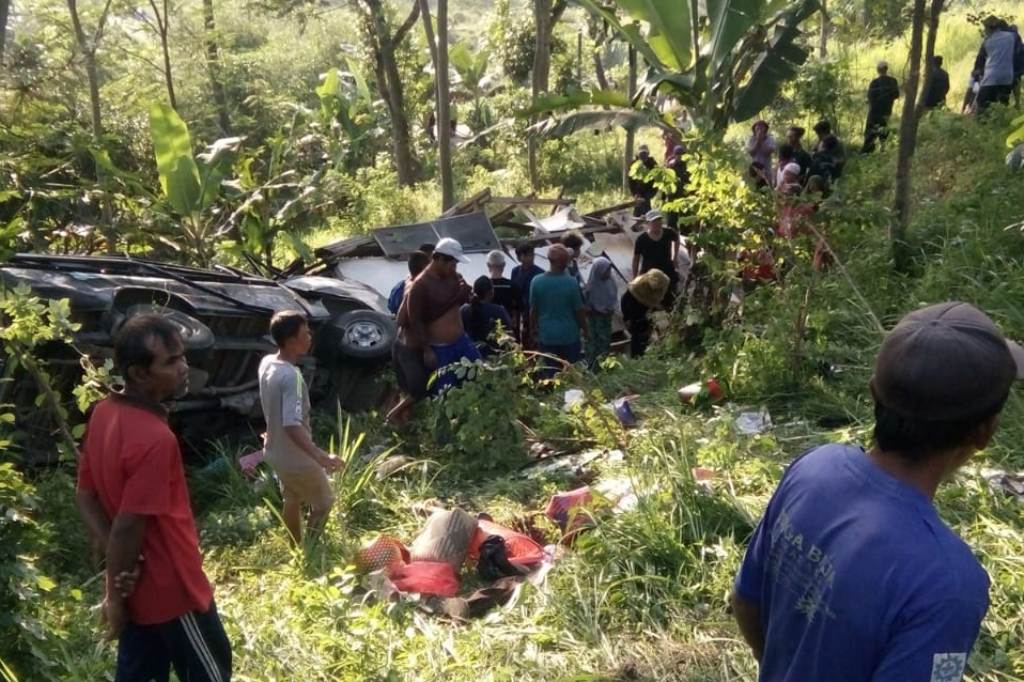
882	94
657	249
506	293
429	319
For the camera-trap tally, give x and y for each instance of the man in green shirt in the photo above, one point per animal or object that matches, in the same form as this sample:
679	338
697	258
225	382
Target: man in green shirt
557	312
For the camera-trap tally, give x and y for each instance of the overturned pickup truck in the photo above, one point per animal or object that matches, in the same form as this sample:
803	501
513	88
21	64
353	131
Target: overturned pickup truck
223	315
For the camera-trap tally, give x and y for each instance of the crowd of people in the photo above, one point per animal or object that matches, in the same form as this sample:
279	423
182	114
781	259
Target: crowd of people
850	574
442	319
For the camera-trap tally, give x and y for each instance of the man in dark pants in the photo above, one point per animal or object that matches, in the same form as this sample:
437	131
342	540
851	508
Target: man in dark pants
851	575
995	63
938	86
882	94
133	498
642	190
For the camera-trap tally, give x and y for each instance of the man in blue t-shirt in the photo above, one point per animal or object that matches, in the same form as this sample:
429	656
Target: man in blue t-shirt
851	576
557	313
418	262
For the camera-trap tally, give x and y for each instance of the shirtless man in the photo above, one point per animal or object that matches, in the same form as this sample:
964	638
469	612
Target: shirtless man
431	336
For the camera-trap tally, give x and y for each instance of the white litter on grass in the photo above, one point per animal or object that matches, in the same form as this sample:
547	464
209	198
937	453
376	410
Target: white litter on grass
1004	482
753	423
573	397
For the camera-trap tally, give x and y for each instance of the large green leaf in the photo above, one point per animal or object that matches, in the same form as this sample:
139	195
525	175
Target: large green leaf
779	62
630	32
329	93
669	29
730	20
574	99
598	119
172	146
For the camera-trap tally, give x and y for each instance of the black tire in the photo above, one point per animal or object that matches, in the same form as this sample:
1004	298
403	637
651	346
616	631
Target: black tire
365	334
195	334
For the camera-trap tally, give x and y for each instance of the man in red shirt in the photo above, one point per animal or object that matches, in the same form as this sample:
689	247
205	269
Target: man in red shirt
132	496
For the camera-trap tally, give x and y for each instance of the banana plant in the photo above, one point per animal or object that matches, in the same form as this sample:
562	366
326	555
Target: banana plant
346	102
722	63
472	83
190	183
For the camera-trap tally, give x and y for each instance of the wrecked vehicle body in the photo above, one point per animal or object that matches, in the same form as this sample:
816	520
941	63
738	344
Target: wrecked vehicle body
224	317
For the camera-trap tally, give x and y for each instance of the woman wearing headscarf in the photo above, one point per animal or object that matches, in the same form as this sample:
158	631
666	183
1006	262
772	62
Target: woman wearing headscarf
602	300
645	294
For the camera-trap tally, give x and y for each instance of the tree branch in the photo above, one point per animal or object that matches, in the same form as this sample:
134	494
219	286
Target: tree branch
407	25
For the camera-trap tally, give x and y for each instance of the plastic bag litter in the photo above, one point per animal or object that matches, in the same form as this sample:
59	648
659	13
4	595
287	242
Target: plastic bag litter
624	412
753	423
573	397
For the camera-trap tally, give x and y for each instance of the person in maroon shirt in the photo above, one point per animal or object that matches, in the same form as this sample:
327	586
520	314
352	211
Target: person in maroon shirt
133	498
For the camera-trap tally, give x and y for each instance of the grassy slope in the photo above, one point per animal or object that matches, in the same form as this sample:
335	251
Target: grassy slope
645	592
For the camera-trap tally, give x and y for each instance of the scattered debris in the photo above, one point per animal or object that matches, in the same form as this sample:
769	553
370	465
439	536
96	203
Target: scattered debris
573	398
753	423
711	388
1005	482
624	412
392	465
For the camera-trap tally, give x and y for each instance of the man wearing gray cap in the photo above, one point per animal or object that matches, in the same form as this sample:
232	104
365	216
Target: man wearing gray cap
882	94
851	576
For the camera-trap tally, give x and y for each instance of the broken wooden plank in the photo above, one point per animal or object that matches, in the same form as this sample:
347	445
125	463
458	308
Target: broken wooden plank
528	201
469	204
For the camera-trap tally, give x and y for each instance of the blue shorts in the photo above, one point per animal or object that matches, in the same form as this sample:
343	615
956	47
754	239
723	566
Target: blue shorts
450	354
570	352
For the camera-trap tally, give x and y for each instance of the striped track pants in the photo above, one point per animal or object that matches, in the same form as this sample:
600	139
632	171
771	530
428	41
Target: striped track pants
194	644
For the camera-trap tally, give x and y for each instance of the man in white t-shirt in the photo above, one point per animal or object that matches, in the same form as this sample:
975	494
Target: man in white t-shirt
300	465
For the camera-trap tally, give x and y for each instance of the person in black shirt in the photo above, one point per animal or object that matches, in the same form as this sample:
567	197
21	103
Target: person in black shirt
829	154
882	94
657	249
641	190
938	87
794	138
678	166
481	316
506	292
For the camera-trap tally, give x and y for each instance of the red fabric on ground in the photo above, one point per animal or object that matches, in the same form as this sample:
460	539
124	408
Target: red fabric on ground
426	577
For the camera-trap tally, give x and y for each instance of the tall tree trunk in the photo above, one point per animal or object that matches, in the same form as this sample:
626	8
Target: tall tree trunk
213	67
391	91
602	77
627	152
5	9
908	144
87	46
541	72
162	29
439	57
935	11
824	28
444	114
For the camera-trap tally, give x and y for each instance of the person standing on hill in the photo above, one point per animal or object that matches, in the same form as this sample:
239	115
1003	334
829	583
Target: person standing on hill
133	496
795	138
994	63
557	313
658	249
938	86
418	262
882	94
851	576
522	276
678	165
643	191
602	301
481	316
300	465
761	145
829	155
430	319
506	292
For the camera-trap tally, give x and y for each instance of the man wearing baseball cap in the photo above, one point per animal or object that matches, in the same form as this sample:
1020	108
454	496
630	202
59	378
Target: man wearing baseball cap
431	336
851	576
658	249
